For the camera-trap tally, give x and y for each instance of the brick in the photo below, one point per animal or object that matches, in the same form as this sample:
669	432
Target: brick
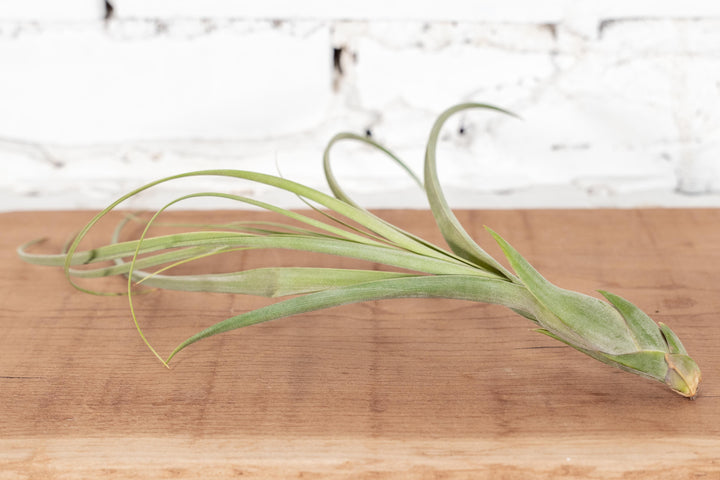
494	70
511	11
141	80
486	10
51	10
661	36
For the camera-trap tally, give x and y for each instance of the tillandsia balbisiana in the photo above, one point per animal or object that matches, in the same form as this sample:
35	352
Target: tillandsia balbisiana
615	332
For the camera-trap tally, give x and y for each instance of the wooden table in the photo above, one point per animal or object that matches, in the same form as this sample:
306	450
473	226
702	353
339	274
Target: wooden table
394	389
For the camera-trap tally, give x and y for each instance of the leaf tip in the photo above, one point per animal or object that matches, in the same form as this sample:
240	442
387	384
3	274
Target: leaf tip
495	235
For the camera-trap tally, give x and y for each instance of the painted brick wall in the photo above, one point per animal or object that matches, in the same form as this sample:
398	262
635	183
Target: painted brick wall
620	101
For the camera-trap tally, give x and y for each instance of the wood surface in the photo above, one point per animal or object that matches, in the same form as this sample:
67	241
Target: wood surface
395	389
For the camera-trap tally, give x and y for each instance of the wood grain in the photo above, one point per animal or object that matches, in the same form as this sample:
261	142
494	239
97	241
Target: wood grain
403	388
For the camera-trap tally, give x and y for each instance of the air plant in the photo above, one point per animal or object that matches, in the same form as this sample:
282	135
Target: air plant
615	332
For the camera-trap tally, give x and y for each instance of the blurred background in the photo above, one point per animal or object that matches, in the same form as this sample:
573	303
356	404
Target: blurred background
619	101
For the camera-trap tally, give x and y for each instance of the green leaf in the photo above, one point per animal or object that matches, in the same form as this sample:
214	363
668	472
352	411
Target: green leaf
455	235
648	364
340	194
270	282
461	287
379	254
673	341
369	221
584	319
330	177
645	331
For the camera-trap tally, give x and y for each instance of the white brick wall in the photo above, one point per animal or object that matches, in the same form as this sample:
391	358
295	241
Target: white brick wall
620	100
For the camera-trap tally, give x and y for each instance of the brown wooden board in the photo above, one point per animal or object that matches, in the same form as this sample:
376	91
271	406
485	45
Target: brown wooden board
393	389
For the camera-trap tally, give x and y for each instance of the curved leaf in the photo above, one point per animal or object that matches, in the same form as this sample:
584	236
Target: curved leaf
461	287
455	235
330	177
